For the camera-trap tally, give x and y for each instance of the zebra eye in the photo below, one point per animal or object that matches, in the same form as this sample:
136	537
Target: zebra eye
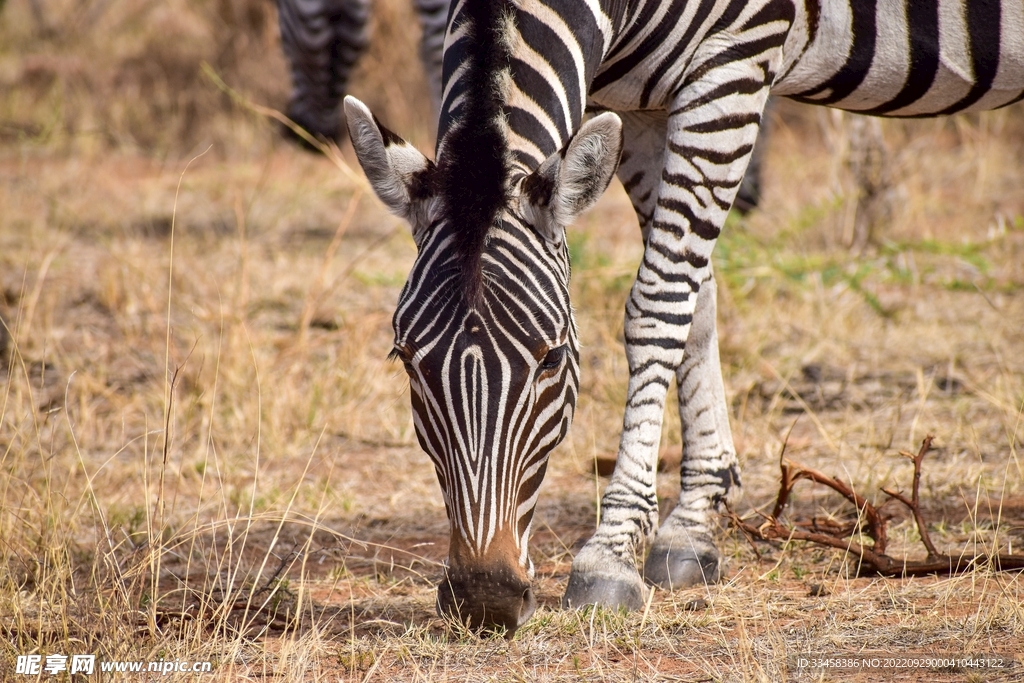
554	358
401	354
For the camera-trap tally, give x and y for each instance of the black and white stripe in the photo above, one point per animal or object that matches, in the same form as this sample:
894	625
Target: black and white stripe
914	59
689	80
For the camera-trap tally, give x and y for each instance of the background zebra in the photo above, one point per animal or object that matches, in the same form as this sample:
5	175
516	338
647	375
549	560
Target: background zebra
484	325
323	40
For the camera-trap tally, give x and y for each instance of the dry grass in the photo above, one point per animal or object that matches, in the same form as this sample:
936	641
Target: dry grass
205	456
82	76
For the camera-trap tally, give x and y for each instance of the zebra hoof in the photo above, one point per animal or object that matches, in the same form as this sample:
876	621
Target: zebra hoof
601	589
671	566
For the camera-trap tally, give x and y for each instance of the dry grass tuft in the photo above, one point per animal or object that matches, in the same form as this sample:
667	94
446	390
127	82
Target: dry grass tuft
205	456
86	76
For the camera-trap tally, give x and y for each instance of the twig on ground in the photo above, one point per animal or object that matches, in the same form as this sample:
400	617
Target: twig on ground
871	559
914	503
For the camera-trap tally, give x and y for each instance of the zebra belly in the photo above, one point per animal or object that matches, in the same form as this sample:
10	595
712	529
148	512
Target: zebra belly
894	58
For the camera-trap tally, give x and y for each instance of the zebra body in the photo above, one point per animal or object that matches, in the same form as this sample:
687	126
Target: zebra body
484	324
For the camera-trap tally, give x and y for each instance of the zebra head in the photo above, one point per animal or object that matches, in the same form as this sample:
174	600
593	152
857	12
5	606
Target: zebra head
485	330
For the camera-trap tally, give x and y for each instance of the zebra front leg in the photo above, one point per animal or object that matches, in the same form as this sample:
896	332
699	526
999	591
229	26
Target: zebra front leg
684	552
433	21
749	195
711	129
604	571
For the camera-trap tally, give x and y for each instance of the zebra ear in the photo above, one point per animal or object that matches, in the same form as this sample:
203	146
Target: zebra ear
571	180
399	174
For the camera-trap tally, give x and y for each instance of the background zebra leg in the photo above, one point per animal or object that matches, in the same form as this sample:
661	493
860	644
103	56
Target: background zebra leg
433	21
684	552
322	40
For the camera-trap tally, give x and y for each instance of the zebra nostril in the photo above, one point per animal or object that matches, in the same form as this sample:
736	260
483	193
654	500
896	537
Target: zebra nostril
528	608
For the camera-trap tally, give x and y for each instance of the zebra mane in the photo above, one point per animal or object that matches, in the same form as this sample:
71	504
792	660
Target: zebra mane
473	159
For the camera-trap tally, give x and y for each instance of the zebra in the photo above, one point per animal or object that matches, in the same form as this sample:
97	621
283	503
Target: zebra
323	40
484	325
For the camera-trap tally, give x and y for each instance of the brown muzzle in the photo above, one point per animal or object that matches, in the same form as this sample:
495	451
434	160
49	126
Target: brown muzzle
486	599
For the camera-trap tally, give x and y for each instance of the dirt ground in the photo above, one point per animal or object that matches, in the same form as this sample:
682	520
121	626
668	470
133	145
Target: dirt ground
205	455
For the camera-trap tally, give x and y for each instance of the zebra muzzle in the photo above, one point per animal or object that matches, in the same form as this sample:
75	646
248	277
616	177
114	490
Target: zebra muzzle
488	600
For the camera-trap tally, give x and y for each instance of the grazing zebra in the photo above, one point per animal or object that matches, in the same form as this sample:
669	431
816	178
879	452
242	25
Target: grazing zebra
323	40
483	324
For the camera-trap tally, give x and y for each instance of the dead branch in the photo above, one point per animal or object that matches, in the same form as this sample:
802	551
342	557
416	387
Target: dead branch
792	473
871	559
830	526
914	503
